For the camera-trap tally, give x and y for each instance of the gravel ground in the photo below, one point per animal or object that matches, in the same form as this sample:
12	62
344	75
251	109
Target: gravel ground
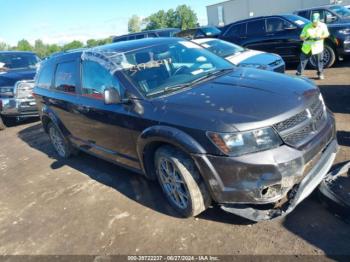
88	206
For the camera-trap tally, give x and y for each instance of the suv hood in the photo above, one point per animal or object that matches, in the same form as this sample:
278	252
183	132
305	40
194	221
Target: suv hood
9	78
243	99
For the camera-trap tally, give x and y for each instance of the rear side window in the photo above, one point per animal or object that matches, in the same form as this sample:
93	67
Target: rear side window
165	33
152	35
95	79
256	27
140	36
66	77
304	14
44	79
237	30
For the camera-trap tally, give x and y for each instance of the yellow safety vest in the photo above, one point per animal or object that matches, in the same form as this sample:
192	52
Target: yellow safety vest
314	46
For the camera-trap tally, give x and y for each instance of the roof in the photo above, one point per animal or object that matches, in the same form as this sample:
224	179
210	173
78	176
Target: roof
150	31
315	7
16	52
120	47
260	17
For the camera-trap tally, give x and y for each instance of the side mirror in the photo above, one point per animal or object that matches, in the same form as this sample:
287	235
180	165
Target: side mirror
112	96
331	19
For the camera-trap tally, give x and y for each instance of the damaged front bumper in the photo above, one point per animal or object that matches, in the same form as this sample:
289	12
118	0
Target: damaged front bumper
298	194
269	184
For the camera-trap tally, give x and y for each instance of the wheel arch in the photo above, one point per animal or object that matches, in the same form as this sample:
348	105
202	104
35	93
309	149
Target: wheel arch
156	136
48	116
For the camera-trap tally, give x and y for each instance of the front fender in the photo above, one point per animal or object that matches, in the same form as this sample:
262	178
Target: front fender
151	137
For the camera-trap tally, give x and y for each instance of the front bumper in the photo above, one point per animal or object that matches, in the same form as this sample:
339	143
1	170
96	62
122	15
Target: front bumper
343	48
13	107
268	184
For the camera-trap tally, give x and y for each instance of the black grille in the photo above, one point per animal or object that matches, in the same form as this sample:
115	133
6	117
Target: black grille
302	127
291	122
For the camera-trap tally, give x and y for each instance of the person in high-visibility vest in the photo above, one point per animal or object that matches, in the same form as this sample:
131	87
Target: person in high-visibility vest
313	35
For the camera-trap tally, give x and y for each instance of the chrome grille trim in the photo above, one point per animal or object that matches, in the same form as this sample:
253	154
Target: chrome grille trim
301	128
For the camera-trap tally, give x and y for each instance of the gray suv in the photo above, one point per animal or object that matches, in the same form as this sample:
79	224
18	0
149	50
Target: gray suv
255	142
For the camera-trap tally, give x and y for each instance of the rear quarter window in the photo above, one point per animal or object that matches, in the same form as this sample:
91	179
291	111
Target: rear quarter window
66	77
45	75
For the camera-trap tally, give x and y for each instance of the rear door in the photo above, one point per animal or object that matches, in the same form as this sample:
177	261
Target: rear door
236	34
256	35
62	99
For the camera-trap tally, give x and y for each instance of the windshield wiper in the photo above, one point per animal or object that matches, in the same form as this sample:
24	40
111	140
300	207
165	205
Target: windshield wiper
169	89
185	85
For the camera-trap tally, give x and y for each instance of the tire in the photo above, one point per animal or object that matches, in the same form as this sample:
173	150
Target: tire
60	143
329	58
184	188
2	125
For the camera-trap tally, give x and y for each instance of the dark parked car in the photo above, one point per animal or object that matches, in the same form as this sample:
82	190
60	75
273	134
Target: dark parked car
278	34
165	32
254	141
337	18
200	32
17	71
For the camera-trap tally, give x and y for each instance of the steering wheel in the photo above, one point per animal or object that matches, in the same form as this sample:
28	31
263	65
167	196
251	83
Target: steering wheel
180	69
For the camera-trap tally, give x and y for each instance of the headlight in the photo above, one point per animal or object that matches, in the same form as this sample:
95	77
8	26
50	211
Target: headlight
257	66
24	89
6	91
240	143
344	31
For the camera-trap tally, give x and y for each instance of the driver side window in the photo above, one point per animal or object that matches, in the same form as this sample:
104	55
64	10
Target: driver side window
277	25
95	79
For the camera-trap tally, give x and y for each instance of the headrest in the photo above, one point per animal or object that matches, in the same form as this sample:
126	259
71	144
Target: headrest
142	58
162	56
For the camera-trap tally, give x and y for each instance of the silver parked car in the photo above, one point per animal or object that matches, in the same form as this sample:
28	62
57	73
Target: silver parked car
244	57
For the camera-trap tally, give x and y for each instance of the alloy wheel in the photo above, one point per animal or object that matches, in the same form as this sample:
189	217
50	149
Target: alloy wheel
325	60
57	142
173	184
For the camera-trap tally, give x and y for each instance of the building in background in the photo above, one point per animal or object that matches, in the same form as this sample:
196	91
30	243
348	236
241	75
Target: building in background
233	10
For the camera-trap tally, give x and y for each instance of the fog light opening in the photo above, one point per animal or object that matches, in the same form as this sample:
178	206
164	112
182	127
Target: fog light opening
270	191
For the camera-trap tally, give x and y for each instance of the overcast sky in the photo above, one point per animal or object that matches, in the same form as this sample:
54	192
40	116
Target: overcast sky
61	21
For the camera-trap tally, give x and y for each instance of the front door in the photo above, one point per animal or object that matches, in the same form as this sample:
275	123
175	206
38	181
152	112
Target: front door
103	129
282	38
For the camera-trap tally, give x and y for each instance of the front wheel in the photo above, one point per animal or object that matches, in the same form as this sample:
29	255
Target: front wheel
181	182
329	58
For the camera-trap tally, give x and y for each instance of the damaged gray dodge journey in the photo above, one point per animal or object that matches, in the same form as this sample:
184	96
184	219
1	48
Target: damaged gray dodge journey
255	142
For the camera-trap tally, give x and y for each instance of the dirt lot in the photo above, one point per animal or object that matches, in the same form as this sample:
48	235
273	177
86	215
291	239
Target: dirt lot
88	206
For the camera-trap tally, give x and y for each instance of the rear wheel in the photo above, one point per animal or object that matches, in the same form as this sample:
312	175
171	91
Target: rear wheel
329	58
59	142
181	182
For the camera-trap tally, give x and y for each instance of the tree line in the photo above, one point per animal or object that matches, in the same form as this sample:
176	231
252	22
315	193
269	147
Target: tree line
44	50
182	17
